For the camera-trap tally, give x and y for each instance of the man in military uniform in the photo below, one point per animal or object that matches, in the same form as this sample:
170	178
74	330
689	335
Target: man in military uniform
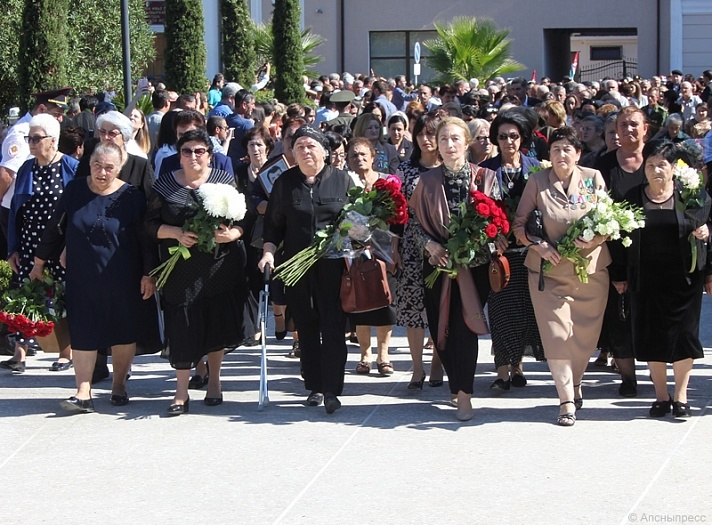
342	99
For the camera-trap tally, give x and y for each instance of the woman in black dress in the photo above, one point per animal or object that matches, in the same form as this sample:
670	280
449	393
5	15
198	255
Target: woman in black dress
666	298
204	297
107	256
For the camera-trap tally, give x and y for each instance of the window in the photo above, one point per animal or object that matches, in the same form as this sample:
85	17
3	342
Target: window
606	52
391	53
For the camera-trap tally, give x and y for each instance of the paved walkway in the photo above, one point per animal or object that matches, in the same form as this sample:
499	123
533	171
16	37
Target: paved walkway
387	457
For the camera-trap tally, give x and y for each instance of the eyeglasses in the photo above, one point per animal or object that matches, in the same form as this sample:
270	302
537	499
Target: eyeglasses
35	139
111	133
511	136
484	138
341	155
187	152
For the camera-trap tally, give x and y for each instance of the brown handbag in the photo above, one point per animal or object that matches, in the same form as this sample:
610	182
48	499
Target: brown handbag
499	273
364	286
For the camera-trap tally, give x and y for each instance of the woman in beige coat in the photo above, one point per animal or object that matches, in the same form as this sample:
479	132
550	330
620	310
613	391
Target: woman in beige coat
569	313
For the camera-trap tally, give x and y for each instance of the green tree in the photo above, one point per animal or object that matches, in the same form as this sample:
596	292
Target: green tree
238	44
94	28
289	62
264	44
11	16
43	47
470	47
185	48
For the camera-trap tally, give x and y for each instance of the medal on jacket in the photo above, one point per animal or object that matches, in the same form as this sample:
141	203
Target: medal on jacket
573	200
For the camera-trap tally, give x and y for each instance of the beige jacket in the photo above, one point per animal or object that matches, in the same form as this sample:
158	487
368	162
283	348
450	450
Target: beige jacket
545	192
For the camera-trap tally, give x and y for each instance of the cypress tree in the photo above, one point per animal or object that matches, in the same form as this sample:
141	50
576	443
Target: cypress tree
288	59
43	47
185	48
238	43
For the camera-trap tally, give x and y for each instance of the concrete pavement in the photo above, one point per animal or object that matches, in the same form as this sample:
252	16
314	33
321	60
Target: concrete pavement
388	456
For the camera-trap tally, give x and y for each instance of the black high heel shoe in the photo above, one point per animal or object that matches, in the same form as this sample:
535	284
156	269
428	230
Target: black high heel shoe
417	385
176	409
578	401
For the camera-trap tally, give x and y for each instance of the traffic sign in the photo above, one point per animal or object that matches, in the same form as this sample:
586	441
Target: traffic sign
416	52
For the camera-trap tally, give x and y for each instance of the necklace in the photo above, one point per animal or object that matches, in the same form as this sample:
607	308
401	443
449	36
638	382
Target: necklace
511	175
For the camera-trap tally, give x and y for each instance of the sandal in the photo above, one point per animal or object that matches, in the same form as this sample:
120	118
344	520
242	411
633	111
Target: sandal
568	419
363	367
385	368
429	345
295	352
578	401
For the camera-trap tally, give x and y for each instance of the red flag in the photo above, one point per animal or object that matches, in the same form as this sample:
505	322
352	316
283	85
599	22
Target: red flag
534	76
574	65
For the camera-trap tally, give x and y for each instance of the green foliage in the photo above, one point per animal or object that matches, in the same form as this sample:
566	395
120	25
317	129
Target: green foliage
238	44
11	16
94	36
470	47
264	44
5	276
265	95
289	62
185	48
43	47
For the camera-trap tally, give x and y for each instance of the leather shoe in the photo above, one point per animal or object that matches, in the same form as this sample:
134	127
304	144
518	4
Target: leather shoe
331	403
213	401
176	409
60	367
500	384
119	401
681	409
197	382
82	406
315	399
518	380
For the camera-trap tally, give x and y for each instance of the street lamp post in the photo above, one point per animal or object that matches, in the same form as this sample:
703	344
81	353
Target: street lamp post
126	48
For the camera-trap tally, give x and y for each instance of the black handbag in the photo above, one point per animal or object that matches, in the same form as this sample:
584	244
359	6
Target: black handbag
534	230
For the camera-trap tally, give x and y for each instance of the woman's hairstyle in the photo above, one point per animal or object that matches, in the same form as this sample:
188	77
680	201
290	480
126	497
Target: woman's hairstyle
398	117
289	122
457	122
363	122
188	117
217	78
143	137
109	148
576	104
476	125
556	109
673	119
428	122
568	134
361	141
196	135
48	124
119	121
515	118
258	132
166	131
70	139
414	109
335	140
666	148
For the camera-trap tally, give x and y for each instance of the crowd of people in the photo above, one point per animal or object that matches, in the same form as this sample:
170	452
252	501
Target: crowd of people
98	198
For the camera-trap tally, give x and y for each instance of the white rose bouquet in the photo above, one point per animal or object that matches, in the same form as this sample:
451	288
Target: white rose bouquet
694	205
219	204
607	218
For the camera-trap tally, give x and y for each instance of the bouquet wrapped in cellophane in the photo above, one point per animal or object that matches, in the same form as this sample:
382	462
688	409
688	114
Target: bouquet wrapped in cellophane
362	223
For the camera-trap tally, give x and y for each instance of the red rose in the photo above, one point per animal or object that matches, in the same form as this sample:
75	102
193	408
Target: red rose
491	231
505	227
497	221
483	209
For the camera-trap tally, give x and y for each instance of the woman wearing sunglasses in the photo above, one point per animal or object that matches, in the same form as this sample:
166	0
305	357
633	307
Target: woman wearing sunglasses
205	296
39	183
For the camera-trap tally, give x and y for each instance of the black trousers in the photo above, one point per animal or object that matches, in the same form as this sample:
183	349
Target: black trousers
461	349
316	309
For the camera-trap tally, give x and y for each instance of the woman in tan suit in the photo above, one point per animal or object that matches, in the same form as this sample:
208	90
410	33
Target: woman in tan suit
568	312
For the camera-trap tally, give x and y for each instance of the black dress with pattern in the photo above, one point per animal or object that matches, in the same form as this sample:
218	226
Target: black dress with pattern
33	216
205	296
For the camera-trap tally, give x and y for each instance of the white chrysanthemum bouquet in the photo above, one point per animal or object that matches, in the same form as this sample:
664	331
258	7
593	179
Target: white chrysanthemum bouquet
694	205
219	204
606	218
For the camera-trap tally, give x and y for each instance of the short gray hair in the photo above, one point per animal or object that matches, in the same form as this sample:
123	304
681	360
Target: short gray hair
48	123
119	121
674	118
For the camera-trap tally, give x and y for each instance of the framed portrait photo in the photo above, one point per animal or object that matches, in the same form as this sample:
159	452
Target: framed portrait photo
271	171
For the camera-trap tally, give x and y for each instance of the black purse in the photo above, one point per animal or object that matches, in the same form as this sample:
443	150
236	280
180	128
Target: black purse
534	230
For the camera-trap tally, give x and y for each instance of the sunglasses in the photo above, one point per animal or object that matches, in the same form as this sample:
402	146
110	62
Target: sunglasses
511	136
35	139
198	152
112	133
484	138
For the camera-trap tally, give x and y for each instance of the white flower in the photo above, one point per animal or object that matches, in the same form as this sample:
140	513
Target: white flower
626	242
222	201
588	234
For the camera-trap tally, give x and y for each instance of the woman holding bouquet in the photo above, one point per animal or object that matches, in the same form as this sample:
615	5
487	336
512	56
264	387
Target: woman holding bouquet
108	255
304	200
665	276
510	310
204	296
569	313
454	306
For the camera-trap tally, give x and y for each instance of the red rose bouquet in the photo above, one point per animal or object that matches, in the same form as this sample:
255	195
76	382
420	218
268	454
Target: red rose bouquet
362	223
34	307
471	231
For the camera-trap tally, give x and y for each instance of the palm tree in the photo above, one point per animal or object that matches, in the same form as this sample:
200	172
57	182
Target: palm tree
470	47
264	43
